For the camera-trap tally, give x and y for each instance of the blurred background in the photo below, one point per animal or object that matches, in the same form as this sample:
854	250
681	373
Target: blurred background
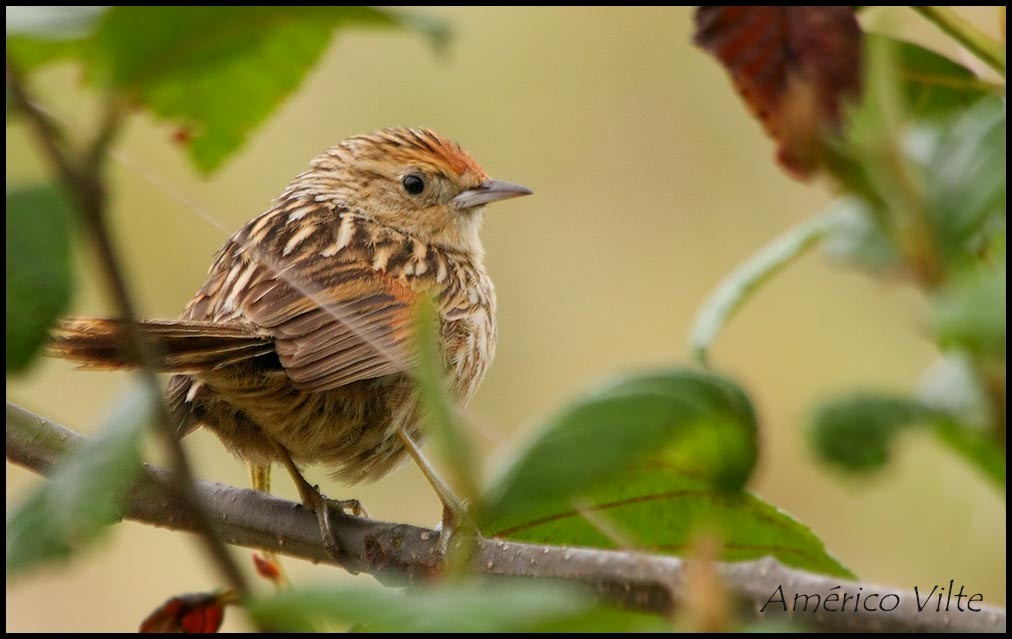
651	183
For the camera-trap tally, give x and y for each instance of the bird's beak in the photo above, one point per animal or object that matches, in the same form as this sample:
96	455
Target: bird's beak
489	191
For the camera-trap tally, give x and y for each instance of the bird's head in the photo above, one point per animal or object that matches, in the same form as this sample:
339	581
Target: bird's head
412	180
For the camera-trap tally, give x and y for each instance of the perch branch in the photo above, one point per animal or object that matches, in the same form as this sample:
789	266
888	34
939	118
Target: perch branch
400	553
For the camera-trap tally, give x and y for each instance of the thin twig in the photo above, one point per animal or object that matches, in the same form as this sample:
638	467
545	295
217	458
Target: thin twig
747	278
968	35
399	553
83	181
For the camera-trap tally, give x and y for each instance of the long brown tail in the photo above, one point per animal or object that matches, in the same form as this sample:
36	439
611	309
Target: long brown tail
175	346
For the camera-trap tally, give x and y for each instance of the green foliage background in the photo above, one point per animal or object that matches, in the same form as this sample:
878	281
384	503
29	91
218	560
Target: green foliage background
652	182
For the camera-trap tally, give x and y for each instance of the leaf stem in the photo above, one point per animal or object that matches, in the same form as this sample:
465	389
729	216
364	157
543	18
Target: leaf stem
83	180
744	281
963	31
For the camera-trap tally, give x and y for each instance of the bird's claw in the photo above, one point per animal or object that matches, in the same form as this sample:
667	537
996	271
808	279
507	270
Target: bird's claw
447	529
348	506
321	505
455	522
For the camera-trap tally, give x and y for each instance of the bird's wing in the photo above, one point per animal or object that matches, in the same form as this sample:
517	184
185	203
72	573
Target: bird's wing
354	327
334	318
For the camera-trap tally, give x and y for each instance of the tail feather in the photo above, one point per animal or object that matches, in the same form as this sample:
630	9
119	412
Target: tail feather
174	346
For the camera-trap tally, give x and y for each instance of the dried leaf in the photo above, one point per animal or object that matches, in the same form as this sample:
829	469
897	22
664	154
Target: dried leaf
795	67
268	568
193	613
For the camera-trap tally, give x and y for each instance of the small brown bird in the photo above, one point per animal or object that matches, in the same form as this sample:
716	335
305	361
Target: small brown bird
297	349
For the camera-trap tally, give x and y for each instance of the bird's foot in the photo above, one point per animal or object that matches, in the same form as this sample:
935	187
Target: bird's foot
316	501
447	529
458	536
348	506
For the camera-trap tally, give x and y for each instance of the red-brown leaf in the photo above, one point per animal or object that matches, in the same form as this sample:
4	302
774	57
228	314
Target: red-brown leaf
795	67
193	613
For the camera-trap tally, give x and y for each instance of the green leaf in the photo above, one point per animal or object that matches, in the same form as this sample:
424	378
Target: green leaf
964	179
932	84
83	495
661	508
52	23
441	417
220	71
970	310
951	386
868	157
216	72
857	432
37	36
966	421
932	185
655	457
38	269
473	607
696	418
743	282
976	447
858	239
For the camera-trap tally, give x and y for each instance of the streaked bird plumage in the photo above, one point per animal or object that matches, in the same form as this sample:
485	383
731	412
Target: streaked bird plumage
301	337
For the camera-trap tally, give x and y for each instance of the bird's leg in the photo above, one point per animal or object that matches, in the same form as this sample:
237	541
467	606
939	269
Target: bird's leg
260	479
314	500
453	507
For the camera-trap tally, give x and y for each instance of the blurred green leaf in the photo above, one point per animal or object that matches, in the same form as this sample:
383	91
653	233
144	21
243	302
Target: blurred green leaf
976	447
216	72
598	438
37	36
867	158
970	310
742	283
931	185
964	179
85	493
951	386
858	239
932	84
220	71
39	276
473	607
441	417
661	508
53	23
31	52
857	433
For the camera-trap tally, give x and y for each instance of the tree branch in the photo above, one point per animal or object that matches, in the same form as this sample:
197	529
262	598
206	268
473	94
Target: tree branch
399	553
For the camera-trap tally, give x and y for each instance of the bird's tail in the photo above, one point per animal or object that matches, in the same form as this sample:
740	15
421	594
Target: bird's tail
173	346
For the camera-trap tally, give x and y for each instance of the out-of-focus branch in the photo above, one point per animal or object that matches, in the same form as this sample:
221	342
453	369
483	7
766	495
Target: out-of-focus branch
82	176
399	553
967	34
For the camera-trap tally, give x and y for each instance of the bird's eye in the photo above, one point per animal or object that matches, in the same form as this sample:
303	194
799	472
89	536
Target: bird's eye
413	184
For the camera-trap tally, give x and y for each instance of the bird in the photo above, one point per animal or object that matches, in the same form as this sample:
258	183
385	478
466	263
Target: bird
298	348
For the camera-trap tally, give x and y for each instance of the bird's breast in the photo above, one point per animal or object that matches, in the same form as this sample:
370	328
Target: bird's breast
465	301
